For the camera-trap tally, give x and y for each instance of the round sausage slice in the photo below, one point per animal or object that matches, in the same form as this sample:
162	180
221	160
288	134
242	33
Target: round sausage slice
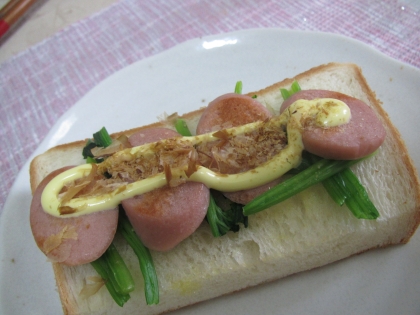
362	136
71	241
244	196
166	216
231	110
151	135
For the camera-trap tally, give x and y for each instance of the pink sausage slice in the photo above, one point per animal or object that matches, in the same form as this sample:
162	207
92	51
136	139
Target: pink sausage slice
231	110
71	241
151	135
244	196
166	216
356	139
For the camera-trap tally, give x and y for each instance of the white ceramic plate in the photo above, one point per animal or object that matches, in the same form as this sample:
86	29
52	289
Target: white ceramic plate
385	281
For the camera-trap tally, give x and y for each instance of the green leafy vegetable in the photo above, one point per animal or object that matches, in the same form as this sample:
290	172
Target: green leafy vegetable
334	191
182	127
356	196
102	138
238	87
227	219
151	286
314	174
90	160
345	188
120	275
285	93
117	278
94	160
87	149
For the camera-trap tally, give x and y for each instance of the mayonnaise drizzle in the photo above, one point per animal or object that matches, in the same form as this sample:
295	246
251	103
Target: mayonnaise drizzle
322	112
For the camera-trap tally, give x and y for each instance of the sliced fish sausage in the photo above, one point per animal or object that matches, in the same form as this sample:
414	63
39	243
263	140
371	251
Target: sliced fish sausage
166	216
244	196
71	241
231	110
151	135
362	136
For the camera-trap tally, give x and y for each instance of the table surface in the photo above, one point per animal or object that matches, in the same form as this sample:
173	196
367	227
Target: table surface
47	59
43	20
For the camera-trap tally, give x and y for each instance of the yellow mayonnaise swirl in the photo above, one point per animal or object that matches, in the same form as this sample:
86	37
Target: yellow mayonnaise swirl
322	112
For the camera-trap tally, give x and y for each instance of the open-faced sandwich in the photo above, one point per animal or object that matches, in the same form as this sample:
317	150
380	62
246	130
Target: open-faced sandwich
247	190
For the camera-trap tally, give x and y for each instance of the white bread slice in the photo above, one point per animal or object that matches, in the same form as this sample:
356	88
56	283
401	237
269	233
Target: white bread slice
302	233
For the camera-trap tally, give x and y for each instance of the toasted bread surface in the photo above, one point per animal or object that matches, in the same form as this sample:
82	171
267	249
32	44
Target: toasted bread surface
302	233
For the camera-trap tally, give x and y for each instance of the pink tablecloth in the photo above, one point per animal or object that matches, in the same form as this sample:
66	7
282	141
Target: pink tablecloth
40	84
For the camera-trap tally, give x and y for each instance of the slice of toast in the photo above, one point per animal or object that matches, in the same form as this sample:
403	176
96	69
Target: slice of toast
302	233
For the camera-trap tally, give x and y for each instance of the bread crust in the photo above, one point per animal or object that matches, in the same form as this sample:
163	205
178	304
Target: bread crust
38	168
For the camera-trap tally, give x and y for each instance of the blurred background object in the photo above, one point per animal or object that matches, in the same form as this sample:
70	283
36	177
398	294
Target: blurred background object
44	19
